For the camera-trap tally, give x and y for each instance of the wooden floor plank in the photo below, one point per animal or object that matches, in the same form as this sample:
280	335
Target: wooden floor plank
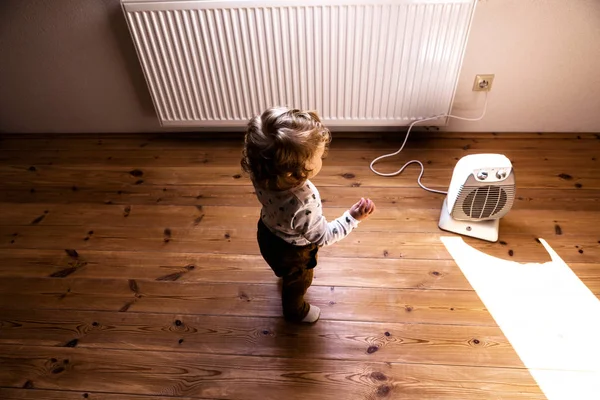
234	142
344	153
216	268
32	393
360	244
247	300
211	268
541	223
266	337
224	268
108	193
159	373
333	175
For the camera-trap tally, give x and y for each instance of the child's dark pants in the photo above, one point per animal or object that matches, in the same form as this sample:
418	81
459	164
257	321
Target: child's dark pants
292	263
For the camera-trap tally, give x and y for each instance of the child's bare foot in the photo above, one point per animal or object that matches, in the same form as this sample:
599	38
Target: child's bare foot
313	315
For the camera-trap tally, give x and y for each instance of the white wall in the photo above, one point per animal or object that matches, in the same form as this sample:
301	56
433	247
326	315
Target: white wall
546	57
70	66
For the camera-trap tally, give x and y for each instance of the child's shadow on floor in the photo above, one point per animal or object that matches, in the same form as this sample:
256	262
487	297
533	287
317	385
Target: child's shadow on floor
299	341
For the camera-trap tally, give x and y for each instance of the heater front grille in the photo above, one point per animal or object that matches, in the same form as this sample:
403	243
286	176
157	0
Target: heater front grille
483	202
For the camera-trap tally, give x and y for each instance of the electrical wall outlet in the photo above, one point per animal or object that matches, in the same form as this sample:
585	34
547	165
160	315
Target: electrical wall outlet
483	83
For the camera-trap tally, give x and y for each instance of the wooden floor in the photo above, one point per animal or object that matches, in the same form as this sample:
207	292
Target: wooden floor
129	270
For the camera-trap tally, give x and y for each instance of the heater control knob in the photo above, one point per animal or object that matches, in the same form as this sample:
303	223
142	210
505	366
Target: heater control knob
501	174
482	175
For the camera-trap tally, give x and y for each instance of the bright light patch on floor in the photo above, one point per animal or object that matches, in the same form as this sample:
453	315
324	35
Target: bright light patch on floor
550	317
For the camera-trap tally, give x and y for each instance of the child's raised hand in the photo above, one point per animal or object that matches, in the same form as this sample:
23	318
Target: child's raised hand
362	209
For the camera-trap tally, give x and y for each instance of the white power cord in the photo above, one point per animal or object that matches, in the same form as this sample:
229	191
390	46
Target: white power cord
417	161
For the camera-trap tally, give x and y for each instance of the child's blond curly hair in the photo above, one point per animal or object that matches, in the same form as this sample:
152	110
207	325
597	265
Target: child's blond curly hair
278	145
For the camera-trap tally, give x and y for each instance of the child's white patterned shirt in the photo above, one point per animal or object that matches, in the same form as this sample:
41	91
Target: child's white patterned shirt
296	216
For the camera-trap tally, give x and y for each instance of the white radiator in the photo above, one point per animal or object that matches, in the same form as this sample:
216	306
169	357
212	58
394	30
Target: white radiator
368	63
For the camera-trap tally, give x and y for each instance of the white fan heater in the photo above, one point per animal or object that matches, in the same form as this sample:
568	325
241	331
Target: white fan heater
481	192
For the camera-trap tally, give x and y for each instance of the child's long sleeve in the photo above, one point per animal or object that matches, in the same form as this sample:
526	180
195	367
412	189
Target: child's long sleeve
315	228
296	216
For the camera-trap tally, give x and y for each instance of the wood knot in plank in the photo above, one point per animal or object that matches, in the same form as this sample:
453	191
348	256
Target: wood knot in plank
383	390
378	376
38	219
565	177
133	286
244	296
167	235
63	273
72	253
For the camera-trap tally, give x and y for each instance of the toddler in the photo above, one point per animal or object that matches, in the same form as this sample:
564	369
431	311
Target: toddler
283	149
